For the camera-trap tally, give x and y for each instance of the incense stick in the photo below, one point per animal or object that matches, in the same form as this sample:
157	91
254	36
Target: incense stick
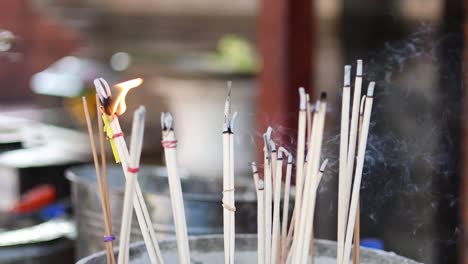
228	201
169	143
141	210
267	177
226	175
287	188
136	144
103	165
274	158
313	169
232	211
275	240
309	118
357	231
105	186
343	161
352	138
298	239
301	137
109	250
319	178
358	172
116	139
260	223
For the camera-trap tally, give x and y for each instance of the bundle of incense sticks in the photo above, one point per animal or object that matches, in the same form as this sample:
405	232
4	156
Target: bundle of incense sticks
276	242
102	184
110	108
229	208
136	144
295	244
273	242
169	142
353	135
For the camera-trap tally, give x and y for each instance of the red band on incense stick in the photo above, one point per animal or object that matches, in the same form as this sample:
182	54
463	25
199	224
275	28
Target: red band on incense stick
133	170
116	135
169	143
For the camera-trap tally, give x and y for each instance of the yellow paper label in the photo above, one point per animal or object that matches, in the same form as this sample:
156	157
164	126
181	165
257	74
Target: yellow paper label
110	134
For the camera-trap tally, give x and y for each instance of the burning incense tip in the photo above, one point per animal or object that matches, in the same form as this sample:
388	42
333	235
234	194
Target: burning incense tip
324	165
359	68
167	121
117	106
261	184
323	96
363	102
254	167
302	99
370	89
347	75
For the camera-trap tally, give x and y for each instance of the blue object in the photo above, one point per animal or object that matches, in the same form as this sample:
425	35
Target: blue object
52	211
375	243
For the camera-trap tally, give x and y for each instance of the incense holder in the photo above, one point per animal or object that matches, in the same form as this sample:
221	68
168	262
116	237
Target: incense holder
202	199
209	249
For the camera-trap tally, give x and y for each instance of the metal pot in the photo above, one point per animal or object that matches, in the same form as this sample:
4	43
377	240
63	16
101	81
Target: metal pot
209	249
202	200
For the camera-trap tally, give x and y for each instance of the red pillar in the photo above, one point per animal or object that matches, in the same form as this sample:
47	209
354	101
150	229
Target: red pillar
285	45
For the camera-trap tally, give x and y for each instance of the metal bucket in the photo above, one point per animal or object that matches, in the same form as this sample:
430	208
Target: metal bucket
209	249
202	199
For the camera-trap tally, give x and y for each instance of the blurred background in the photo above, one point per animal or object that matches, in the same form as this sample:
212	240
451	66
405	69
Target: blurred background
414	190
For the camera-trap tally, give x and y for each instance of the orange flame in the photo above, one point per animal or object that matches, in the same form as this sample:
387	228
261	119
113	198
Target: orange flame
118	105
